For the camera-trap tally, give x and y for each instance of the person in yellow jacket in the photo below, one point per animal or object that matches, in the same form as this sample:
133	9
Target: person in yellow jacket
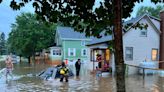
64	72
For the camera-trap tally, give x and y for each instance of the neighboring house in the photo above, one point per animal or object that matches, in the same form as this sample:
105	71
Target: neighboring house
70	45
138	45
142	44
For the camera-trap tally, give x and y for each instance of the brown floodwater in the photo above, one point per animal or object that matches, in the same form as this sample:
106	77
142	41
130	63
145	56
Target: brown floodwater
26	80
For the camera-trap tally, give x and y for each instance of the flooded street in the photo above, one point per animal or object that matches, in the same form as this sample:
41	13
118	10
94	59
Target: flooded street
25	80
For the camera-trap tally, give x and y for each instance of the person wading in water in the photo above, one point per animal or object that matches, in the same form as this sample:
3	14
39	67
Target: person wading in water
64	72
9	67
77	66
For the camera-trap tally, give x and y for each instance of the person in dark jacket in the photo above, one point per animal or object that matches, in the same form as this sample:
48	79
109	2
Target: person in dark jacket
77	66
64	72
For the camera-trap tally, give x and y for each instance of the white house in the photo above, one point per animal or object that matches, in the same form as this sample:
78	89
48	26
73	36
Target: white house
142	45
138	45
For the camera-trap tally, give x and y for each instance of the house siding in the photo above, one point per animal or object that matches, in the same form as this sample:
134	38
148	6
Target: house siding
58	40
54	59
77	45
142	46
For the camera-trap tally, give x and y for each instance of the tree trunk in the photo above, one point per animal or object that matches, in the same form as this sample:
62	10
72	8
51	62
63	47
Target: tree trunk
29	61
20	58
118	46
33	58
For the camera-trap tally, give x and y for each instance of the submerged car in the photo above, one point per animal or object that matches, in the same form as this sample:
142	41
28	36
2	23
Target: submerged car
52	72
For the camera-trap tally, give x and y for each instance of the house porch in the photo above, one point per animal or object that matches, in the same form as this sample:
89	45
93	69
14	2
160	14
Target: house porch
103	50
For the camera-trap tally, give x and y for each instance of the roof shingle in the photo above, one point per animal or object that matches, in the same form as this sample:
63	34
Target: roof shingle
68	32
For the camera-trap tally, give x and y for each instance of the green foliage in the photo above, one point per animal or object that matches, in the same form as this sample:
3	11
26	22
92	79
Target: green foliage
30	35
153	11
80	14
111	46
3	48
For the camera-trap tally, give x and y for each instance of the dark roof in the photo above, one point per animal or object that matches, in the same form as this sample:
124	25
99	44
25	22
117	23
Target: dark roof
100	40
133	20
68	32
51	45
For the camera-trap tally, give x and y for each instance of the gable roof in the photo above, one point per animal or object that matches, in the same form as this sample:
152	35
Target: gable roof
133	21
137	19
68	33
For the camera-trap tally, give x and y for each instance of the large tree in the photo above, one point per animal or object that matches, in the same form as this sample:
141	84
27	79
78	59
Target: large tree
153	11
30	35
82	15
3	50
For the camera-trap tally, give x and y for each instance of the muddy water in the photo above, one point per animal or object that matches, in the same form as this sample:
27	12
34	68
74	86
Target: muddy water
25	80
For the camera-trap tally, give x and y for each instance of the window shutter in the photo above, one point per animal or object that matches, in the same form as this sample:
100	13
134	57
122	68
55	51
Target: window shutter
74	52
68	51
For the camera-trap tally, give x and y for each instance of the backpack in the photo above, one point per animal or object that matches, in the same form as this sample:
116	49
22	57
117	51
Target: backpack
63	70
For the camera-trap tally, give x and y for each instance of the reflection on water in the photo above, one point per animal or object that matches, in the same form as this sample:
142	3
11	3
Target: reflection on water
25	80
152	83
83	84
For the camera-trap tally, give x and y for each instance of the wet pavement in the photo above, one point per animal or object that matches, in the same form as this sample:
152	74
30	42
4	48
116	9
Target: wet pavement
25	80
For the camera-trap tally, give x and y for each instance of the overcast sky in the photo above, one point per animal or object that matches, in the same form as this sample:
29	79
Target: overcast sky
7	15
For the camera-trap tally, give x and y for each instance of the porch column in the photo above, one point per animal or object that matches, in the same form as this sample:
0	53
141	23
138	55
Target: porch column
113	64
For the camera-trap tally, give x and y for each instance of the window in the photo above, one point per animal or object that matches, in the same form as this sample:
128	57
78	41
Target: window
57	52
84	52
83	43
71	52
129	53
143	33
154	54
